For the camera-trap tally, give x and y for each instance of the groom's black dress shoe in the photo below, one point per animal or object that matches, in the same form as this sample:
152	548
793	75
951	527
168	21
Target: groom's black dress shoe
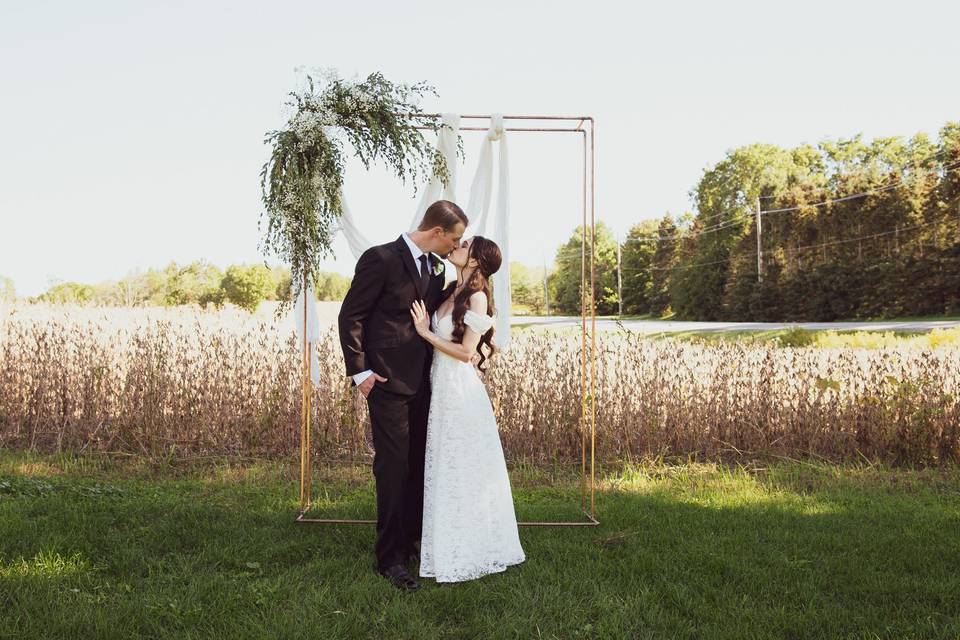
399	577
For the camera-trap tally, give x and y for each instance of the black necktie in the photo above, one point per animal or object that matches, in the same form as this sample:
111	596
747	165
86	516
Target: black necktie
424	274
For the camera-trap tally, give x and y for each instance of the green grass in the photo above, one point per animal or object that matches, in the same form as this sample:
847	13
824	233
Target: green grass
913	318
672	316
644	316
97	548
793	337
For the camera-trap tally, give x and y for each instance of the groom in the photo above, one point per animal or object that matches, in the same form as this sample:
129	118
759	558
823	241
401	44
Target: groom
390	366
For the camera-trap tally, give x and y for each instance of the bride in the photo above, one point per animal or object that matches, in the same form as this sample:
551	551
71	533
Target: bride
469	523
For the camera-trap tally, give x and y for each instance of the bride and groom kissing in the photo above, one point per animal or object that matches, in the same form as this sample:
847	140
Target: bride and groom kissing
409	344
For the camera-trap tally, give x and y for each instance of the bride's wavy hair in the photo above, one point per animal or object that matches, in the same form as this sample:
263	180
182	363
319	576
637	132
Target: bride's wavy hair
488	257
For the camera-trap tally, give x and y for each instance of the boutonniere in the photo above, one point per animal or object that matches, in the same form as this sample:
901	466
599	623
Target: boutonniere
437	267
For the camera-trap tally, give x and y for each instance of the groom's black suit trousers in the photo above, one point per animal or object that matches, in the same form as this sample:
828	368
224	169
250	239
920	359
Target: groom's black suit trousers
399	424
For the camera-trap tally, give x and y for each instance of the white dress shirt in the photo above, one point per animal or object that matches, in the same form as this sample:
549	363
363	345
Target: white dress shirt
415	250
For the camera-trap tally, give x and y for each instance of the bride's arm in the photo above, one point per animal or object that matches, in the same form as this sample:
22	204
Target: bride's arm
461	351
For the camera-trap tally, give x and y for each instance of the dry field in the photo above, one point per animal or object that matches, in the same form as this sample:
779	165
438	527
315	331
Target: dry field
188	383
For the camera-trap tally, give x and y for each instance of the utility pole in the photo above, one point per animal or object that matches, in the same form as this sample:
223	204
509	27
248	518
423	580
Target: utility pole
759	247
546	291
619	283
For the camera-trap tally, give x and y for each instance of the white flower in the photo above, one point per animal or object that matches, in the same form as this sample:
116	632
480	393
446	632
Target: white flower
309	125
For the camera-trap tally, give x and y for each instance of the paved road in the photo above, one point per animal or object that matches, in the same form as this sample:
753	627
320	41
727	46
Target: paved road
327	314
671	326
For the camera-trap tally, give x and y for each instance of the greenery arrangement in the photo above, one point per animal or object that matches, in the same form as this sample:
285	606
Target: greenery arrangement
301	182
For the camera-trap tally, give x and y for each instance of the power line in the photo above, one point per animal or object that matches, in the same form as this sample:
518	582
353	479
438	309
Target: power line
717	215
948	167
741	217
902	168
799	248
680	268
578	253
681	234
872	235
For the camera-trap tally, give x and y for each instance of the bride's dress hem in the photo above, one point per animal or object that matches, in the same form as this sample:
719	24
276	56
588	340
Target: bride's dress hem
479	572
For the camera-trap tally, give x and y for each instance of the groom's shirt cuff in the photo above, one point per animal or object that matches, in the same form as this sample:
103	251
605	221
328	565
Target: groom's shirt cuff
363	375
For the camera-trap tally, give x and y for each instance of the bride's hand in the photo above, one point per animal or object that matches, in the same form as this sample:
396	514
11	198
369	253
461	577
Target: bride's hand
421	321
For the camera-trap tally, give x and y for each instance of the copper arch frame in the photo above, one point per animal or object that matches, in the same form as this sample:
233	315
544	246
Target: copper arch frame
588	411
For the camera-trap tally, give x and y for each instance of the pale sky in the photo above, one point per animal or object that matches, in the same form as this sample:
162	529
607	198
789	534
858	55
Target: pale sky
132	132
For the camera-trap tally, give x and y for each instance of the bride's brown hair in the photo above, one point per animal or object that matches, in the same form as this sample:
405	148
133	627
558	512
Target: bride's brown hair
488	257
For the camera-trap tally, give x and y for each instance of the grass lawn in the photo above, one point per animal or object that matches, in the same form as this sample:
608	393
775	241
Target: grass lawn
96	547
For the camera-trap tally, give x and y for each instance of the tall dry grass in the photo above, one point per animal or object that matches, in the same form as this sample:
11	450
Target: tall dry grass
191	383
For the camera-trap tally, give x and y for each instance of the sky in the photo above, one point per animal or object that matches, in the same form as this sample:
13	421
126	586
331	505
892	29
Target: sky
131	133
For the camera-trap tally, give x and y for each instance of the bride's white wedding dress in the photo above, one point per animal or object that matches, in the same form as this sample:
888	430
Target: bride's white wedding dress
469	522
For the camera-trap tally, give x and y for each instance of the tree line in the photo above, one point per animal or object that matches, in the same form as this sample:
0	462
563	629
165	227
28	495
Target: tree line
848	229
199	282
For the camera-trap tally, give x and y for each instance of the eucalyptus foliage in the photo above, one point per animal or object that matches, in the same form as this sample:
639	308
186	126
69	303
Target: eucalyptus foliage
301	182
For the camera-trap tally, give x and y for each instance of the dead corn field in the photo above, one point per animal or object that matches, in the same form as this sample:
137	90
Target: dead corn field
187	383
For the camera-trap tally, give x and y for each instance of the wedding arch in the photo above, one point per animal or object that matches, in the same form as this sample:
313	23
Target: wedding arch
363	110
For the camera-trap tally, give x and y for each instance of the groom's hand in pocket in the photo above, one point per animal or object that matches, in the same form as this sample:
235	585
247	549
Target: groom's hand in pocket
367	385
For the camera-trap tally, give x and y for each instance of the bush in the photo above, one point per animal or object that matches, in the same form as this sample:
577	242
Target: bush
796	337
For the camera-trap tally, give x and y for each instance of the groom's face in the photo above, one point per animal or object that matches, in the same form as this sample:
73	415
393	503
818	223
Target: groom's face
447	241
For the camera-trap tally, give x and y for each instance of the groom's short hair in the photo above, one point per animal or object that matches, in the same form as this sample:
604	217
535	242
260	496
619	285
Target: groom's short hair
443	213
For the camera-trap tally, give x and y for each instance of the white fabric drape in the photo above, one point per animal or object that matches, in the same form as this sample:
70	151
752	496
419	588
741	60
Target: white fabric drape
312	328
357	242
478	210
436	190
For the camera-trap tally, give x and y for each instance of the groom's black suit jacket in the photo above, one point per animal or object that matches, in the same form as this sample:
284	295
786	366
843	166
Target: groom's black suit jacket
376	328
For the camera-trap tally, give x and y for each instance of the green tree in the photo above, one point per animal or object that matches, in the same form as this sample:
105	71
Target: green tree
194	283
566	280
331	286
68	292
327	285
7	291
526	285
661	266
247	285
636	258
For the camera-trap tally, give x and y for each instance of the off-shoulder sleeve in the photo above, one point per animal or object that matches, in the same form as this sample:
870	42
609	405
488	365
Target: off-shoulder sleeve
479	323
